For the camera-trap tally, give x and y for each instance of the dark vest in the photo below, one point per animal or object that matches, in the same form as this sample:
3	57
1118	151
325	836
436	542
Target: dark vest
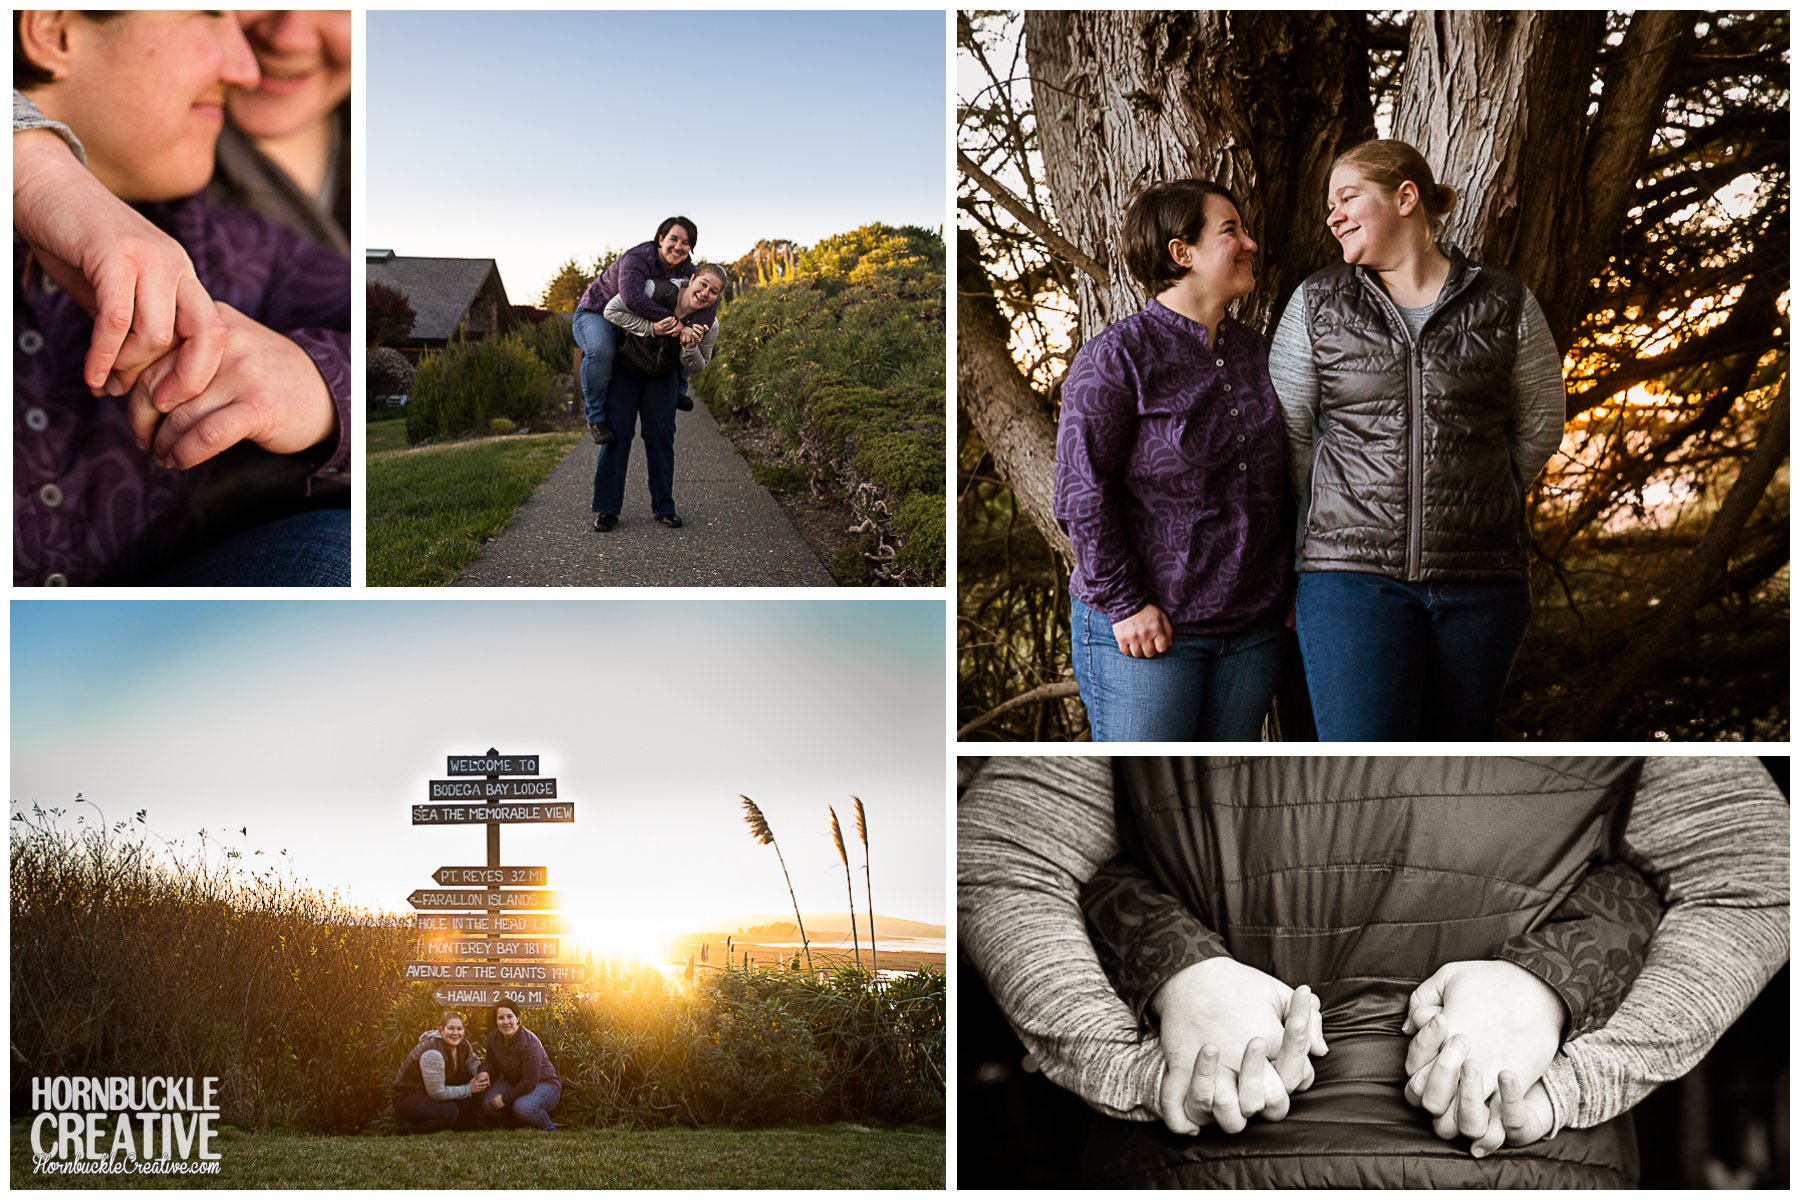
1361	877
411	1077
1412	476
651	356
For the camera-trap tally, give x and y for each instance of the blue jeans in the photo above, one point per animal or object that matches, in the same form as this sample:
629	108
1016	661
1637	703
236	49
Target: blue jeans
524	1108
633	401
1389	661
599	341
310	549
1204	689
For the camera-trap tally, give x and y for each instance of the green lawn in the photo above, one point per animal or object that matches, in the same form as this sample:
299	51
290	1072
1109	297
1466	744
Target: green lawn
386	433
819	1156
432	511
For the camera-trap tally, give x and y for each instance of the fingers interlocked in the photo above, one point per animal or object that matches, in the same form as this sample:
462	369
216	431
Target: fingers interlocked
1259	1085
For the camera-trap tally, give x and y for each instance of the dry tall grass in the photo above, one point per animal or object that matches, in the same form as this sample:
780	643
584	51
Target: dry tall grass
129	962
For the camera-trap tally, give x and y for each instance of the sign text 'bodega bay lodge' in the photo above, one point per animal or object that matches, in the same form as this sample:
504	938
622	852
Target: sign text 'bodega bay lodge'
481	955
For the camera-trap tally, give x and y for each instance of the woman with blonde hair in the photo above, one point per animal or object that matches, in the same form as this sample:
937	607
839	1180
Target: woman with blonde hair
1422	393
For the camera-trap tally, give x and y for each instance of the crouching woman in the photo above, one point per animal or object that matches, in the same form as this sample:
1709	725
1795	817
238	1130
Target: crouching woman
526	1085
437	1084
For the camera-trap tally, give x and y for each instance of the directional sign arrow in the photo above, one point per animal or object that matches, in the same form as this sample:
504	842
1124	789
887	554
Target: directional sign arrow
488	791
486	925
496	898
505	972
525	997
491	876
483	814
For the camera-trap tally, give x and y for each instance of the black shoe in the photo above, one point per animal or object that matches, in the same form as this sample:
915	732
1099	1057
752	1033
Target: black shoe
672	521
603	433
684	402
605	522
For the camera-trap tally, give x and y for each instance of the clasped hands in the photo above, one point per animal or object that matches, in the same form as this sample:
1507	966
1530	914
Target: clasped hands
1238	1043
199	375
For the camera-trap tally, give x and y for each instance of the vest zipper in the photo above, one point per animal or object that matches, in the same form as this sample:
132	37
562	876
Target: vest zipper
1415	407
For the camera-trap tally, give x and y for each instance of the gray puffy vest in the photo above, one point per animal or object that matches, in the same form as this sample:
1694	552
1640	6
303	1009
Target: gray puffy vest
1361	877
1412	476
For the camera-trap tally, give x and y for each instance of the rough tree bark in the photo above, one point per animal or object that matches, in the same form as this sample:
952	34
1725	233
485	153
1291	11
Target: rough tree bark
1010	417
1257	101
1497	102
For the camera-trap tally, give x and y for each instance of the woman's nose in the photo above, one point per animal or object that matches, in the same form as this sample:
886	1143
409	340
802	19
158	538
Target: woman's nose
238	62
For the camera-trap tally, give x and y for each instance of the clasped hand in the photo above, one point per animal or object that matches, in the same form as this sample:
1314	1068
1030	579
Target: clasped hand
1219	1020
1484	1033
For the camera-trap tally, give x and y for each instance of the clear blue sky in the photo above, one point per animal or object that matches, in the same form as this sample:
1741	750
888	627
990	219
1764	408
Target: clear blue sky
317	724
530	137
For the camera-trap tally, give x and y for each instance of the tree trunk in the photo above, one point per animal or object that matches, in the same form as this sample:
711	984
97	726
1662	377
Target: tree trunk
990	388
1258	102
1497	103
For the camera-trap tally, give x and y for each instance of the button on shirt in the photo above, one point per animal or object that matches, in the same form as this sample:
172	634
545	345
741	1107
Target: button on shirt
1171	473
89	507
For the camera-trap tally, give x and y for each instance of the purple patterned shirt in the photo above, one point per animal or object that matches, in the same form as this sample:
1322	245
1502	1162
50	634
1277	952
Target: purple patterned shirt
1171	474
625	277
89	507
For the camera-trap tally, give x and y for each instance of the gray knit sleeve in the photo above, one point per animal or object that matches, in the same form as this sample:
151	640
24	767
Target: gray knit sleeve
1030	832
431	1067
694	359
1538	398
27	117
1296	380
1712	833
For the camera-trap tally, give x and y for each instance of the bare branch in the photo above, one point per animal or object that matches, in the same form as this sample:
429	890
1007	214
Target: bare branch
1011	203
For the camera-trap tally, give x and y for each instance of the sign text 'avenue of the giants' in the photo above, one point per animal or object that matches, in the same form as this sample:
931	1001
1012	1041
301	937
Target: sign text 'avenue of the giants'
446	947
525	997
491	876
492	925
483	814
491	790
504	972
493	898
493	764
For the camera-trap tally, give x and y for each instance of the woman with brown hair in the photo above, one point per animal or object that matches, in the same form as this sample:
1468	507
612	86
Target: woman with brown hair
436	1086
1422	394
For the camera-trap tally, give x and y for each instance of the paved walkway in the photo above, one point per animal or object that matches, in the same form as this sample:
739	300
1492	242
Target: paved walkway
734	534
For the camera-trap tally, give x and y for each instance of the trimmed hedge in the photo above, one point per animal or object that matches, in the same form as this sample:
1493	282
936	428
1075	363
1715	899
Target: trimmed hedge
466	385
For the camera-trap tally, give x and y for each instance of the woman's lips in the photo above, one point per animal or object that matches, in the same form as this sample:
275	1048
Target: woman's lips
210	111
285	85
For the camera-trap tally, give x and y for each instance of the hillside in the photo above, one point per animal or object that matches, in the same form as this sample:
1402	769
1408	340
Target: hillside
832	380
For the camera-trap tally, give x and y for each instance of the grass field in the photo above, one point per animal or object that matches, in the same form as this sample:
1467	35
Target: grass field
432	511
818	1156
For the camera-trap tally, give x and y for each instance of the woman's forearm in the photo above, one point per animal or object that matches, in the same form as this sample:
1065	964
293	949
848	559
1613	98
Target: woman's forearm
621	315
1714	831
1030	831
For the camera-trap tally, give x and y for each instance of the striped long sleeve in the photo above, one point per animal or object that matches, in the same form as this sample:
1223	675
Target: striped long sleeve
1712	835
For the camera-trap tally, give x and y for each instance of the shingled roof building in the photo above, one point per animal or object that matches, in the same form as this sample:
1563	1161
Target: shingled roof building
457	299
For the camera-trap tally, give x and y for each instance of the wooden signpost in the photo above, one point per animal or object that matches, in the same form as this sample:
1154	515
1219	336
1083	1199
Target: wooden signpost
473	956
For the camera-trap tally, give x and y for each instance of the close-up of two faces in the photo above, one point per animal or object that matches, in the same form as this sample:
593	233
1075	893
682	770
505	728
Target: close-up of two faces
181	196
